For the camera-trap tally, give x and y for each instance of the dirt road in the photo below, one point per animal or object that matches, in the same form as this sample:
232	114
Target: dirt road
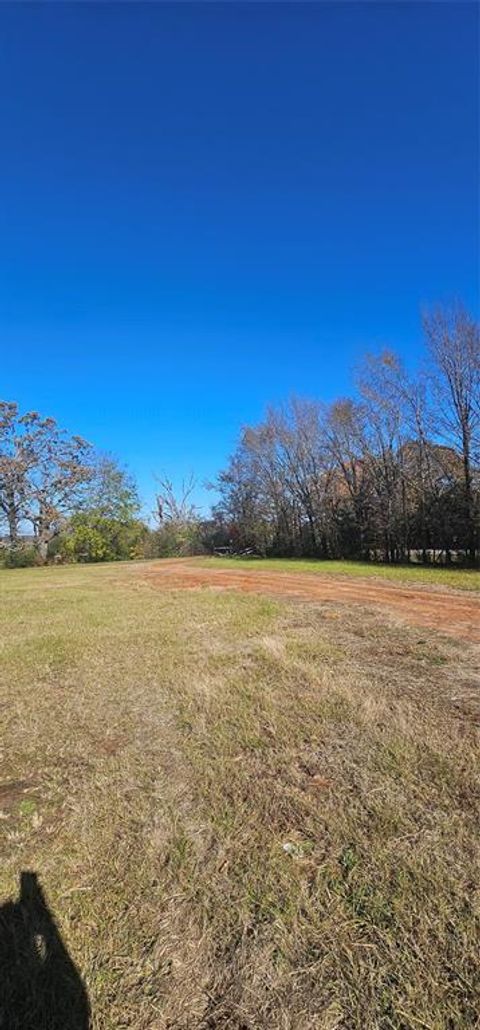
451	612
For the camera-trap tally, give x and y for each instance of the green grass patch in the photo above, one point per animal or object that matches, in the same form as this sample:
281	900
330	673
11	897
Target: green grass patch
461	579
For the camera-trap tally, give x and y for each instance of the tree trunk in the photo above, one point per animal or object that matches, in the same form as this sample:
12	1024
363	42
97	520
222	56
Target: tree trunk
12	527
467	473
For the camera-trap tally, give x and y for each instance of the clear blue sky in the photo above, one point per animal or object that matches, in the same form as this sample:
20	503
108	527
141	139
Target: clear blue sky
208	207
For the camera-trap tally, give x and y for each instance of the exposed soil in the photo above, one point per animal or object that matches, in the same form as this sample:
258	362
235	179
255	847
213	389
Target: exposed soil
445	610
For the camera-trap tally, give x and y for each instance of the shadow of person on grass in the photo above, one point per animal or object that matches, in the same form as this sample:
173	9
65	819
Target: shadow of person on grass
40	986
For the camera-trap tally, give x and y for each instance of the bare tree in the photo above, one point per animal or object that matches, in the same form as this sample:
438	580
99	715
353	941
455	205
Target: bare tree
178	519
347	436
243	506
454	346
176	507
384	451
307	467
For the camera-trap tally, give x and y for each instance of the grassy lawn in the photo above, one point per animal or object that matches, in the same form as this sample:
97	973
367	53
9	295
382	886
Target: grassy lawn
243	813
462	579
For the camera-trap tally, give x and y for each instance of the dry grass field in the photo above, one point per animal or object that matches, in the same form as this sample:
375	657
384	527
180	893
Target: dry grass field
244	812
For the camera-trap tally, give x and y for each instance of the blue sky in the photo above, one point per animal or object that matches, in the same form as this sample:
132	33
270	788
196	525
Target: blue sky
207	207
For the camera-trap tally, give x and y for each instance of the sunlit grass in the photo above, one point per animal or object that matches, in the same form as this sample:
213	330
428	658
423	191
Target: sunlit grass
461	579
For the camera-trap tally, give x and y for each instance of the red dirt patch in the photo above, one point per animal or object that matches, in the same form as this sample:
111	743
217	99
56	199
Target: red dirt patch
444	610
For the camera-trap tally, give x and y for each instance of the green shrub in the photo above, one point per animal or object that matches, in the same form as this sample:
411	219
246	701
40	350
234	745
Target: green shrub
91	537
21	557
178	539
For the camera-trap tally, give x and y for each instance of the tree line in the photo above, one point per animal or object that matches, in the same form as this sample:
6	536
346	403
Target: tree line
388	474
391	473
60	500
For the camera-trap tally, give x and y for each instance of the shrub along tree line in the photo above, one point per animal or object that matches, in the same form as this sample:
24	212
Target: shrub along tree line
390	474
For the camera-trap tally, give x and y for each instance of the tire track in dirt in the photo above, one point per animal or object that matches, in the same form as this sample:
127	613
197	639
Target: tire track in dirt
443	610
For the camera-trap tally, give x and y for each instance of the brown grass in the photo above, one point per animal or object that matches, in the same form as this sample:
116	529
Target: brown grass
244	813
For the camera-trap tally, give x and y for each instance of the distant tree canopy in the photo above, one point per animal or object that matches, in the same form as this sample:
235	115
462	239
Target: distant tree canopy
391	471
44	473
387	474
74	503
112	491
